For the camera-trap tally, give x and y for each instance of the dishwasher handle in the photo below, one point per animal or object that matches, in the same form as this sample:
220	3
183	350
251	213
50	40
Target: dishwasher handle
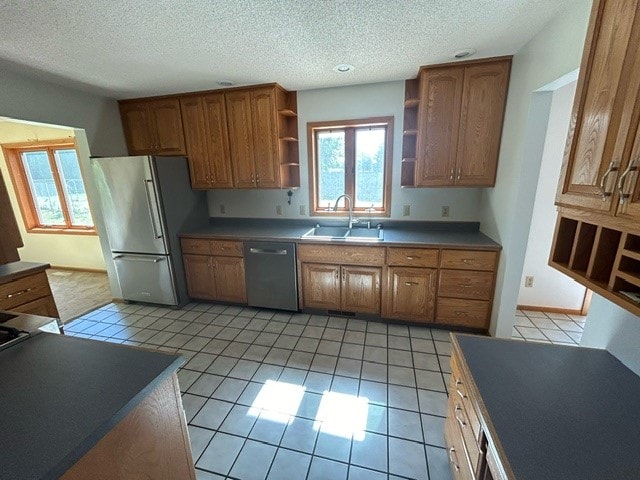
265	251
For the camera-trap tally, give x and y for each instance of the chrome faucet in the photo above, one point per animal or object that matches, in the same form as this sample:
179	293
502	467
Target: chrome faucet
346	197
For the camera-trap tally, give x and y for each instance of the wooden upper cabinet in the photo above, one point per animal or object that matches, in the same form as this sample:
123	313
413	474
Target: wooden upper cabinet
441	96
484	96
265	137
460	119
205	128
597	146
153	127
238	105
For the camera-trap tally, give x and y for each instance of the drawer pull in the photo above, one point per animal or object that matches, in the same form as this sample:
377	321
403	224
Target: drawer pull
452	452
465	285
461	313
467	260
458	382
21	292
412	257
411	284
462	423
462	395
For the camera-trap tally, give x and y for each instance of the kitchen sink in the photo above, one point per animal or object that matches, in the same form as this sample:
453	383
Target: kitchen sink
343	233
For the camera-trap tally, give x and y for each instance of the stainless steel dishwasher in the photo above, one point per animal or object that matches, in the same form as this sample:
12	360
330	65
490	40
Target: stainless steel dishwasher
270	271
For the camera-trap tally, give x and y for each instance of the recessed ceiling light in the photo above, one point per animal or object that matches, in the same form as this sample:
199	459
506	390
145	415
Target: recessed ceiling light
464	53
226	83
344	68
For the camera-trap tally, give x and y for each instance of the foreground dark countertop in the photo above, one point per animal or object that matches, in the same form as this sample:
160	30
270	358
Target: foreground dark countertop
559	412
13	270
60	395
449	234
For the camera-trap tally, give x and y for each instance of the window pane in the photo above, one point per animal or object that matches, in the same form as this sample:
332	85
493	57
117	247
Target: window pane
370	167
330	166
71	178
43	188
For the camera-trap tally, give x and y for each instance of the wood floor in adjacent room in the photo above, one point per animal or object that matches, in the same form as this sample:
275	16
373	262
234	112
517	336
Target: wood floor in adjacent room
77	292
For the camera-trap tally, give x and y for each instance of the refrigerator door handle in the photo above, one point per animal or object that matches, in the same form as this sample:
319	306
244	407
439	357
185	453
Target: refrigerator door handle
150	206
139	259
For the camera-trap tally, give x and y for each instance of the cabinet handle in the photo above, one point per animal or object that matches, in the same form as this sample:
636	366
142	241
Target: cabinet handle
410	284
612	168
412	257
465	285
459	171
252	179
344	275
452	452
467	260
337	274
458	382
451	174
257	178
21	292
631	168
461	313
462	423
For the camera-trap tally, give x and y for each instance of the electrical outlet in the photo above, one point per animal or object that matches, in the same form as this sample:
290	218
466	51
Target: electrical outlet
528	282
278	209
223	210
445	211
406	210
303	210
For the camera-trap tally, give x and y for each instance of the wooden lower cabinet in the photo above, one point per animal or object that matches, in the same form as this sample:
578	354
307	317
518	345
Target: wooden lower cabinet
321	286
200	281
215	278
411	293
361	289
29	294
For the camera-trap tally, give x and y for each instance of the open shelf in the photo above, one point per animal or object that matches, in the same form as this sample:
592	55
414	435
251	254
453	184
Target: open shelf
289	156
410	132
289	139
565	234
287	112
604	257
407	173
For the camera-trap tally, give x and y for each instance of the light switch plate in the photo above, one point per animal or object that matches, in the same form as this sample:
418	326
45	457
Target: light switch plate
406	210
445	211
278	209
303	210
223	210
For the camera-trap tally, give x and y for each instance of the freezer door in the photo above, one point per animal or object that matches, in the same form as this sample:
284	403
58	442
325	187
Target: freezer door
146	278
129	201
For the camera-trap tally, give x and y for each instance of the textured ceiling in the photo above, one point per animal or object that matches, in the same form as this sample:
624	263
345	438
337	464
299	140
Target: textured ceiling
148	47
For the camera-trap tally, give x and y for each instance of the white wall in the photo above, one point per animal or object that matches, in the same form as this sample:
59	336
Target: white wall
80	251
359	101
506	209
96	119
551	288
615	329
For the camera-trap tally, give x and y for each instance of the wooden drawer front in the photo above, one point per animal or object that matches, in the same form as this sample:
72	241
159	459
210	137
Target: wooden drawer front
412	257
342	255
458	460
24	290
459	413
468	260
195	246
461	284
226	248
463	313
458	388
44	306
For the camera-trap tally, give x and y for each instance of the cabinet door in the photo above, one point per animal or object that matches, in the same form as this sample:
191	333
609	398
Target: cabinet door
167	125
240	138
629	185
229	279
413	293
137	128
195	135
590	170
321	286
484	96
215	116
265	138
361	289
439	117
199	276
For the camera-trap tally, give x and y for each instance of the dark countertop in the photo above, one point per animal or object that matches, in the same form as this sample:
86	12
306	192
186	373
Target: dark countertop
559	412
60	395
13	270
438	234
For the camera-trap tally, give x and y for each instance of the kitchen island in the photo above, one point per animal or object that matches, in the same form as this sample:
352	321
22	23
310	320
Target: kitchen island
531	411
76	408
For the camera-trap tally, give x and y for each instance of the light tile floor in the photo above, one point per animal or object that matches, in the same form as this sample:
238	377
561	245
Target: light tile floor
280	396
556	328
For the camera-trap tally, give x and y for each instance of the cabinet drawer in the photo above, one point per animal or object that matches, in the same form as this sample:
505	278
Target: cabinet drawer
24	290
458	412
195	246
468	260
458	388
412	257
44	306
226	248
458	460
342	255
465	284
463	313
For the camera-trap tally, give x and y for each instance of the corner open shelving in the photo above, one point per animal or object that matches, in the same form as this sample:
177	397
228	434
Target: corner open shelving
289	156
410	132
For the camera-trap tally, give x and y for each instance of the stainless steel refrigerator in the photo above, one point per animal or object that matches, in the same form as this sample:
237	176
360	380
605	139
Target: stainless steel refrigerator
146	201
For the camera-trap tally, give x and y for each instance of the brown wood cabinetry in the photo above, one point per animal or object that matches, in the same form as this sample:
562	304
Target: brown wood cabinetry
327	283
29	294
457	125
597	231
214	269
411	293
153	126
205	127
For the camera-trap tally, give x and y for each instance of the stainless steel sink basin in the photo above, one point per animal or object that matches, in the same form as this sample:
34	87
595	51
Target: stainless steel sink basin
343	233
